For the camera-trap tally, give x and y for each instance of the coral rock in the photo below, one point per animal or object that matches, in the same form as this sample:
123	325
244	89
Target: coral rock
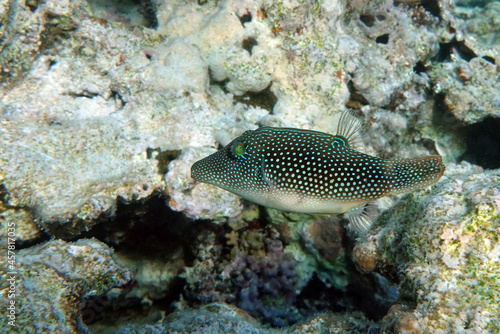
365	256
53	278
447	241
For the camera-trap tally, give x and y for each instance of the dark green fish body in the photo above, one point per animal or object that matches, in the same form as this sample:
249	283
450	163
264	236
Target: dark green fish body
311	172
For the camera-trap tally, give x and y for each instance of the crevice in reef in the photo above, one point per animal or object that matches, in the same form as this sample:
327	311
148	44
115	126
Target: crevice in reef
264	99
448	127
141	231
356	99
146	233
130	12
221	84
482	141
147	10
431	6
163	158
443	119
32	4
247	17
248	44
446	50
490	59
360	295
367	19
147	227
419	68
382	39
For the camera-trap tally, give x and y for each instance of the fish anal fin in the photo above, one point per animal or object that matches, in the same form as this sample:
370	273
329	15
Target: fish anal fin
361	218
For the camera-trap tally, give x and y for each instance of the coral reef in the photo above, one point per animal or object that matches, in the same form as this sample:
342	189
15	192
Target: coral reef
259	277
265	287
210	319
224	318
467	74
279	282
26	229
446	242
105	105
53	278
203	278
28	27
326	235
315	253
111	99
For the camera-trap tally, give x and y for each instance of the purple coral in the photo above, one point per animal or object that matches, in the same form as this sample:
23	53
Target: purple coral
265	288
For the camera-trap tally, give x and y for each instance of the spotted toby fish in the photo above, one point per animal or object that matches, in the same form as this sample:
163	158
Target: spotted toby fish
313	172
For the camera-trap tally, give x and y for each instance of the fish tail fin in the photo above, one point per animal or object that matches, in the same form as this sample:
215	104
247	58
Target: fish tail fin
409	174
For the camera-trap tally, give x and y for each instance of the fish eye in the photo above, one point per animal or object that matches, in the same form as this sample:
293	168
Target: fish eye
236	150
239	149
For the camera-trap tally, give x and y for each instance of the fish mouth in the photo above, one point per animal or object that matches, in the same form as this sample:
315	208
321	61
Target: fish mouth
208	169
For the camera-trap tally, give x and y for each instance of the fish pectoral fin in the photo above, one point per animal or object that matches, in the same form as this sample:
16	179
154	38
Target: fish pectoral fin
265	177
276	194
361	218
271	183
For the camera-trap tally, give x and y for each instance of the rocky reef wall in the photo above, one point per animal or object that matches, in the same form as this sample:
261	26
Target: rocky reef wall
105	105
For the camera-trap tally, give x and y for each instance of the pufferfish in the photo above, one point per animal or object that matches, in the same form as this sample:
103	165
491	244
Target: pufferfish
308	171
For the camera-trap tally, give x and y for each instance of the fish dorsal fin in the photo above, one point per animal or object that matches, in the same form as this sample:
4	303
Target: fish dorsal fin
349	130
340	140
